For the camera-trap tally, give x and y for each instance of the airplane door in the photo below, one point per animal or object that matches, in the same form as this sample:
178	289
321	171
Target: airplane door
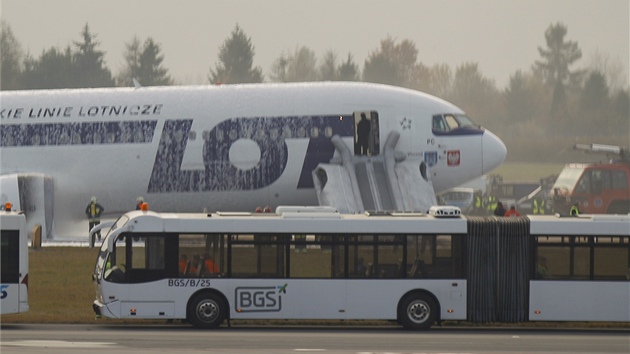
366	134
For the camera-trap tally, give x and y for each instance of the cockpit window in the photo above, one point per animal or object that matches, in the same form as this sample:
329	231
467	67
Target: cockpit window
438	123
448	122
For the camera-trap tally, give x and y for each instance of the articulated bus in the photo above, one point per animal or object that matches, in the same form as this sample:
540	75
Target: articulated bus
14	263
314	263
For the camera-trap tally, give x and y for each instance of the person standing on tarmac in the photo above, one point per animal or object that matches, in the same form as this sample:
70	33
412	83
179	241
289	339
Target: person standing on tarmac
539	206
480	205
139	202
93	212
499	210
575	211
491	204
512	212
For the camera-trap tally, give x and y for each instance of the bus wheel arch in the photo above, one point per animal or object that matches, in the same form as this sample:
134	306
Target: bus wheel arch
418	310
207	309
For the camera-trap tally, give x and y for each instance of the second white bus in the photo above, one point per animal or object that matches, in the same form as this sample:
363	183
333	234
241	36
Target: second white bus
14	263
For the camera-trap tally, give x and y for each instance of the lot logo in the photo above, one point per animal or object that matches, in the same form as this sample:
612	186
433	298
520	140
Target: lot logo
259	299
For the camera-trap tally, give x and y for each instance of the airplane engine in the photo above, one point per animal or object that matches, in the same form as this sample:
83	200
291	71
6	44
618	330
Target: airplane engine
33	194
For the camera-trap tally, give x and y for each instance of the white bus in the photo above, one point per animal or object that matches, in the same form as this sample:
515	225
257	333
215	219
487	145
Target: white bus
14	263
313	263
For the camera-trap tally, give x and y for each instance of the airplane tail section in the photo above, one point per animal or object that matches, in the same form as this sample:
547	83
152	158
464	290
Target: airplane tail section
378	183
33	194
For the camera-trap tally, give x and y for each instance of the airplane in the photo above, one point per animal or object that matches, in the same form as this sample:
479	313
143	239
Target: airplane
213	148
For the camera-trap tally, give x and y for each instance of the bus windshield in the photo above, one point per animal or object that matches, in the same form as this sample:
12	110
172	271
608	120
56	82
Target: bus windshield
568	178
103	252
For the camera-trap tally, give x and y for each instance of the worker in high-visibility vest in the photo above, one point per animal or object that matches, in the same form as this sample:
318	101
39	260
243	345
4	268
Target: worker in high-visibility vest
479	204
539	206
491	204
574	211
93	212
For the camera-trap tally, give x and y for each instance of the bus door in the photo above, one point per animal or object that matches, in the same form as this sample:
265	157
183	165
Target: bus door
146	260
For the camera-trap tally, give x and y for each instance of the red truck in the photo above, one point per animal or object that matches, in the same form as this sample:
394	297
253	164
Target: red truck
597	188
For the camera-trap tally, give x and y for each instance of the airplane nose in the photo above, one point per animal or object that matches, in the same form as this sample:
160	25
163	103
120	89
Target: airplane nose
493	151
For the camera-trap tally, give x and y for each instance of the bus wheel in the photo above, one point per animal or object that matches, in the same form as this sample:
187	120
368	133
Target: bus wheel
417	311
206	310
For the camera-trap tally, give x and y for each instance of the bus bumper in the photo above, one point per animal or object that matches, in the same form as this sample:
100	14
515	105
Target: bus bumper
102	310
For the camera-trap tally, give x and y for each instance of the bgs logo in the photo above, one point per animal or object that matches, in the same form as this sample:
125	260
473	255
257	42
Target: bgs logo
259	299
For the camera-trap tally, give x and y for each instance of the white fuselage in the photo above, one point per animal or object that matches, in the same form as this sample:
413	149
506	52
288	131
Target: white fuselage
232	147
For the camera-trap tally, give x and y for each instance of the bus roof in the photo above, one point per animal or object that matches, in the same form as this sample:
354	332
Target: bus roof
12	220
292	222
585	224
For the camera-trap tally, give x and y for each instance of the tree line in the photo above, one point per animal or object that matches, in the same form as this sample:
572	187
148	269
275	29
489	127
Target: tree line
543	108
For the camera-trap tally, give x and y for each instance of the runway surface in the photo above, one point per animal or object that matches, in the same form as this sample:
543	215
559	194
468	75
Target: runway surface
121	339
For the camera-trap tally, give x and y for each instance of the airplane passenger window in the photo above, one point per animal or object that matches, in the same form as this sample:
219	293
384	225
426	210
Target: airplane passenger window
301	132
287	132
63	139
314	132
328	131
233	134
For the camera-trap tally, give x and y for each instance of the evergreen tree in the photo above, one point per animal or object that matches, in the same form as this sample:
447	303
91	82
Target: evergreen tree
54	69
236	58
132	63
144	64
595	94
11	57
151	72
348	70
557	58
88	65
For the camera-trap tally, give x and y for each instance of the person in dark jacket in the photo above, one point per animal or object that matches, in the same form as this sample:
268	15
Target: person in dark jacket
499	210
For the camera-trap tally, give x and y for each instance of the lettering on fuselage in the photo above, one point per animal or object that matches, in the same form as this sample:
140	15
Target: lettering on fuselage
219	173
81	111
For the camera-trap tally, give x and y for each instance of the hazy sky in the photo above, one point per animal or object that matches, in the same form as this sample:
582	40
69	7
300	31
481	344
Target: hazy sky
502	36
